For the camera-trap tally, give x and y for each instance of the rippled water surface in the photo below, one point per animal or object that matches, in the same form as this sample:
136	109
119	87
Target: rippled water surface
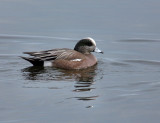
123	87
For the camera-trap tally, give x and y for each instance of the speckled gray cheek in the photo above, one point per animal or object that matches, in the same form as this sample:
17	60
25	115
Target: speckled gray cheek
92	48
83	49
87	49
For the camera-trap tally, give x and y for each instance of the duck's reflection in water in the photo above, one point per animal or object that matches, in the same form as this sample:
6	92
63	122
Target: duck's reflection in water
84	78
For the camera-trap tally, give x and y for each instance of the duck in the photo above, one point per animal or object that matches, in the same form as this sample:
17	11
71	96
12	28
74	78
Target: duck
80	57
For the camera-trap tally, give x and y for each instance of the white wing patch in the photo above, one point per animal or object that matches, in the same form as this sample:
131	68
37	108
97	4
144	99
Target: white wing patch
76	60
47	63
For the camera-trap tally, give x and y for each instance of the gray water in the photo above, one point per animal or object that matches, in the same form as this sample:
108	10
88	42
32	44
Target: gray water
124	87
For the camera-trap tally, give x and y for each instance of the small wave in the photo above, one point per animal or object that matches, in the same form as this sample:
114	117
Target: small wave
140	40
10	55
87	98
8	36
115	62
146	62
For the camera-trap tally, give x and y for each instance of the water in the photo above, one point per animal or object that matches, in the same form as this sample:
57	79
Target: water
123	87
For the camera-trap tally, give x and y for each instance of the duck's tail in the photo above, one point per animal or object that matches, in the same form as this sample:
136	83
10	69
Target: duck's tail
34	61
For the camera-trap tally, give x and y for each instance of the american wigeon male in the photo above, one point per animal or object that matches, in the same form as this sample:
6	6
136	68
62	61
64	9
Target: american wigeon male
64	58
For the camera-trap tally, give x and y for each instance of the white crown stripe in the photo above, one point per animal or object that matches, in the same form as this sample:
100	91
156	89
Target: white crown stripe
92	40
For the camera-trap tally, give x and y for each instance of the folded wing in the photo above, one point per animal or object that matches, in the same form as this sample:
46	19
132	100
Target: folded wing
38	58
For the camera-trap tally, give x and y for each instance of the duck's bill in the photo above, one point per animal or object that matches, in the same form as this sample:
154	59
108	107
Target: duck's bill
98	50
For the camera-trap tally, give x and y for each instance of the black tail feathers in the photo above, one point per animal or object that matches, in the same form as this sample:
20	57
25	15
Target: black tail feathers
35	62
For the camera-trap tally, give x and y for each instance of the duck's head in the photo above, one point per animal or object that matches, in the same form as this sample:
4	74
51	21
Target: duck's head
86	46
